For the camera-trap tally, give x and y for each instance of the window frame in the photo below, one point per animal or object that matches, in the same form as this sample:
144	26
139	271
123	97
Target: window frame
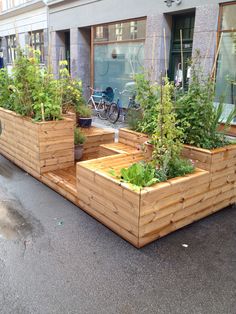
11	49
220	33
41	43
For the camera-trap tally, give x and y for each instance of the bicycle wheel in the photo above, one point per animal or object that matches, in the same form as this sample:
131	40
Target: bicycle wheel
114	112
102	110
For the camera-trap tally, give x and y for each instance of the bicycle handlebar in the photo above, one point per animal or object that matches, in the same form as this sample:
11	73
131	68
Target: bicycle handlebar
94	90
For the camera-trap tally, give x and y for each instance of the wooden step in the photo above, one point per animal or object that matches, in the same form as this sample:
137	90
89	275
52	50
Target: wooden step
116	148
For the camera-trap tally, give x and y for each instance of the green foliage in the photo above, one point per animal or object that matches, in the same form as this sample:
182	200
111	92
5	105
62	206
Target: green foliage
79	137
134	117
148	95
84	111
179	167
31	90
139	174
166	137
145	174
159	120
197	115
6	82
71	90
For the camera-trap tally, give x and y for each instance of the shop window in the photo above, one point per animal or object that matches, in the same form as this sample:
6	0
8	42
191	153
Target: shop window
226	64
118	54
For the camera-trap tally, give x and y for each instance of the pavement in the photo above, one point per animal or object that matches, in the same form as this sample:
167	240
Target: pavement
54	258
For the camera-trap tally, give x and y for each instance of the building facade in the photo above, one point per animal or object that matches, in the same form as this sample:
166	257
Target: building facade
23	22
107	41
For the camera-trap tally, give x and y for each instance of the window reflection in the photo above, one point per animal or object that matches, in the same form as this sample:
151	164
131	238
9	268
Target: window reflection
226	63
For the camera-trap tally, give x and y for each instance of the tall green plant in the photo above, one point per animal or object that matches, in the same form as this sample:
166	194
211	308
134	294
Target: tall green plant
6	97
71	89
166	136
32	90
147	96
197	115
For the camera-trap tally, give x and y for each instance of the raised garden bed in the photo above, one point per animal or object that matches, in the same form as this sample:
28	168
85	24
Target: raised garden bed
94	138
142	215
37	147
221	163
132	138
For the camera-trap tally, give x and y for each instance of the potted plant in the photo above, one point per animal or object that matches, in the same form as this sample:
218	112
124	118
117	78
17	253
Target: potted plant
79	139
84	116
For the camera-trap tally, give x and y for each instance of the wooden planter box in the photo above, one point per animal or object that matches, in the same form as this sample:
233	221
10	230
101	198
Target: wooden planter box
142	215
37	147
94	138
221	163
132	138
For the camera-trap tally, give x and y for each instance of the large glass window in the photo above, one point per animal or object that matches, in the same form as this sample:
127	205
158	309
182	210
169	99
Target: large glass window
118	54
226	65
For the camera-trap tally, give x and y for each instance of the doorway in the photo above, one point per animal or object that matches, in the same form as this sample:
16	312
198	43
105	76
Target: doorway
184	24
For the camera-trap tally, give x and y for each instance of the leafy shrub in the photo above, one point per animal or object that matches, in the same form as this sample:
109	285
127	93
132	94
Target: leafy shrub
167	136
79	137
71	90
31	90
134	117
6	82
166	139
197	114
84	111
179	167
147	95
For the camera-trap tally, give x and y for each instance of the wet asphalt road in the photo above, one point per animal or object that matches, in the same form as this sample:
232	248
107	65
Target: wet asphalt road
54	258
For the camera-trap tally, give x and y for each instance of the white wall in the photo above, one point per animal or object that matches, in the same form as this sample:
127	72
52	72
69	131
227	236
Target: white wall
24	22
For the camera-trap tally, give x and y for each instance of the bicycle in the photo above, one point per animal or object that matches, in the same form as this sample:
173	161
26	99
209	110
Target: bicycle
117	109
100	102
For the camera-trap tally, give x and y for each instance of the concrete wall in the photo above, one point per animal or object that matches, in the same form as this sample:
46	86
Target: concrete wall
69	14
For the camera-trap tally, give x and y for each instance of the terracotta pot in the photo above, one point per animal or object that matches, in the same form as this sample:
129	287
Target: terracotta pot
148	150
79	149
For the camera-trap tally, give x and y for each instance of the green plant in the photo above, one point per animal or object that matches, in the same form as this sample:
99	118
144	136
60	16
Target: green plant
84	111
71	89
79	137
167	136
166	140
32	90
144	174
134	117
6	95
139	174
179	167
197	115
147	95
